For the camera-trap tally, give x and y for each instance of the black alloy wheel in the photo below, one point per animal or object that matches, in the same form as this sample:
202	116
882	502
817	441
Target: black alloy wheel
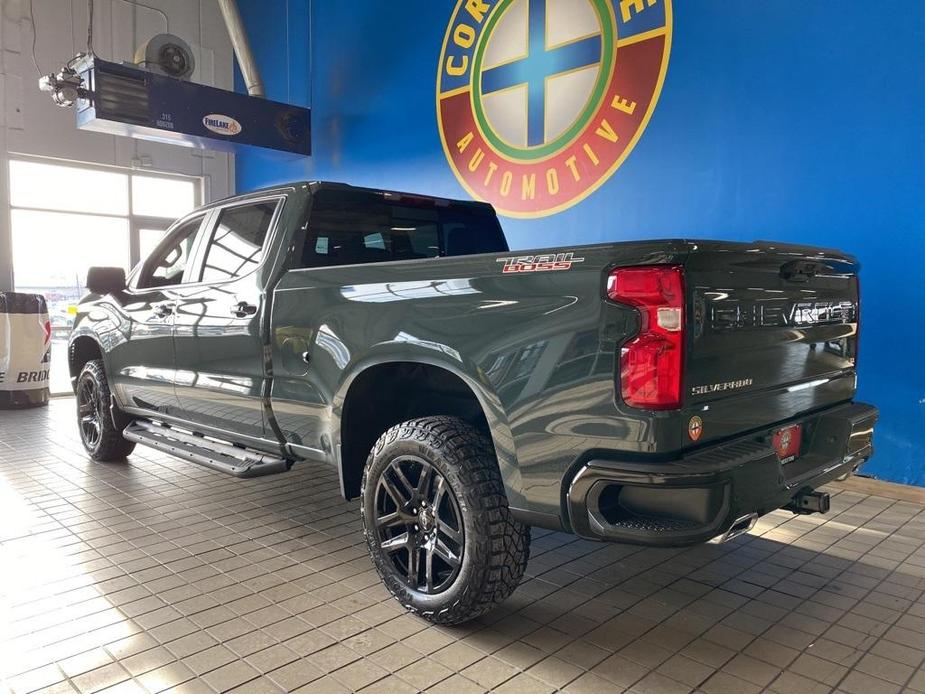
419	524
437	522
100	423
90	412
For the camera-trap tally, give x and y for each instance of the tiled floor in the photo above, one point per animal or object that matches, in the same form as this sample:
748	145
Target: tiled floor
156	573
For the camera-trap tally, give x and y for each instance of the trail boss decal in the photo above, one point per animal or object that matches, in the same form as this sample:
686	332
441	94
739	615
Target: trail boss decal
540	263
539	102
223	125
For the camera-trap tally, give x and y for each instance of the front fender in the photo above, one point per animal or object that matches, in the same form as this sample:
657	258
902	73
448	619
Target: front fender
98	322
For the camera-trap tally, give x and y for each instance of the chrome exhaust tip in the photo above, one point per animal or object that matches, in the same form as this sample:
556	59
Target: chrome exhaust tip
739	527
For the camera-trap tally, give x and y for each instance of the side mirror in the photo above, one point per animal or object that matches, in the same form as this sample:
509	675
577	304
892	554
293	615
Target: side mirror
105	280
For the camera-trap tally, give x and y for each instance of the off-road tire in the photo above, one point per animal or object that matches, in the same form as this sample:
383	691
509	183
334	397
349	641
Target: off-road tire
496	546
109	445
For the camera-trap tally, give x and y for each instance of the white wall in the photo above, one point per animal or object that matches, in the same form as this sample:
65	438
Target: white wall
31	124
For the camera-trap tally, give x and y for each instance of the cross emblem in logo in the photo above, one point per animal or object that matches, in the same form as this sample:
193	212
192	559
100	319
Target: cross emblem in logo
540	64
533	113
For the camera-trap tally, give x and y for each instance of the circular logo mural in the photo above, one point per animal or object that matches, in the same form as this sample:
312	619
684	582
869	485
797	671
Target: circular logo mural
540	101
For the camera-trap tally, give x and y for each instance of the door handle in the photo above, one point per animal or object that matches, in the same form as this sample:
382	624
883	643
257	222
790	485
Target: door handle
163	310
242	309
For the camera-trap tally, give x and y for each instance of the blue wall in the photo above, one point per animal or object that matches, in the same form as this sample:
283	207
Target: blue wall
795	121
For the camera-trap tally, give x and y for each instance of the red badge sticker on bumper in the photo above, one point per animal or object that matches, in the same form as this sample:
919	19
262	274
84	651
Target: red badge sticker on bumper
786	442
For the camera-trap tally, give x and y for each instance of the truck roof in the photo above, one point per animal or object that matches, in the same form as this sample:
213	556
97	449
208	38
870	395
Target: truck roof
315	185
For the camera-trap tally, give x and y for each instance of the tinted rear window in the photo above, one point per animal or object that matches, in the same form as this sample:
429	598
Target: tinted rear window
348	227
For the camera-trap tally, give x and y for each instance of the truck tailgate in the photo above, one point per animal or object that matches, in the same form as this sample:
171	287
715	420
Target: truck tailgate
774	332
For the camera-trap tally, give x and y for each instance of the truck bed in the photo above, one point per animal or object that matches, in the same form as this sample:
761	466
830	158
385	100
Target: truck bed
542	345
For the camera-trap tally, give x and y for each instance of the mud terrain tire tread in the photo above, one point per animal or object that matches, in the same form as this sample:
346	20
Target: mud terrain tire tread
497	546
111	446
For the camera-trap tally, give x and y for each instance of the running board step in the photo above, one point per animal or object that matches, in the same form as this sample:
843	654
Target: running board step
239	462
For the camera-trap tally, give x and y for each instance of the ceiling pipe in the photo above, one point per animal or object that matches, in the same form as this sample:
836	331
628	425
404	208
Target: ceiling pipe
242	47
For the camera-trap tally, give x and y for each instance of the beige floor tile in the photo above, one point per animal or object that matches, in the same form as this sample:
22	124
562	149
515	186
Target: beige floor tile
195	582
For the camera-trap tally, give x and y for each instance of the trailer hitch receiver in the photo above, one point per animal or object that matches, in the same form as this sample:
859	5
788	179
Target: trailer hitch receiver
809	501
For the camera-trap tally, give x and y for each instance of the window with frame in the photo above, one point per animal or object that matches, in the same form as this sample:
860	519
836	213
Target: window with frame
236	246
352	227
167	265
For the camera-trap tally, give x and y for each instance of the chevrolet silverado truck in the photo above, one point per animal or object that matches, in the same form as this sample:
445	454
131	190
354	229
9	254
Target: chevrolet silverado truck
663	393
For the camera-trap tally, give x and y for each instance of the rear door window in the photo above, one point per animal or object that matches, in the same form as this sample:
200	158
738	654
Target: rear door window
350	227
236	246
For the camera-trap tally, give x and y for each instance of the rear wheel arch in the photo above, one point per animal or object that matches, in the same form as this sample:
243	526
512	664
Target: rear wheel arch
386	393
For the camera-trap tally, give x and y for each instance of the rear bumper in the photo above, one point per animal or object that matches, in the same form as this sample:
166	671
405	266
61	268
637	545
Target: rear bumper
702	494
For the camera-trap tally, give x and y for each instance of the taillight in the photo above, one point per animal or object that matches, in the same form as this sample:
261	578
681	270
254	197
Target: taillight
651	362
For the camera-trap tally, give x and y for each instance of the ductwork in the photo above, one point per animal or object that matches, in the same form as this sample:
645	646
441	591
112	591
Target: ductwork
242	47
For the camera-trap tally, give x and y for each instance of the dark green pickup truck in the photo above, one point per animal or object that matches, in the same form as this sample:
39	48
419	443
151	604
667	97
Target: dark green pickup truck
655	392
